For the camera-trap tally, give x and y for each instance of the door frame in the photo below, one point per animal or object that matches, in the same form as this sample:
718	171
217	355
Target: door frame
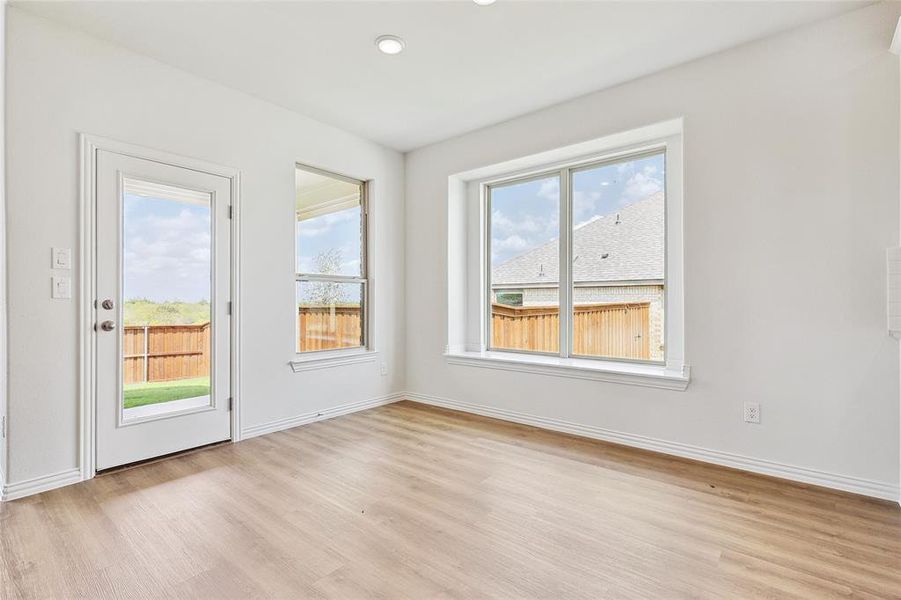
90	145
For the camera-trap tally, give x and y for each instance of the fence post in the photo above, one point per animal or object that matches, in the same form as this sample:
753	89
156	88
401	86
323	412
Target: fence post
146	354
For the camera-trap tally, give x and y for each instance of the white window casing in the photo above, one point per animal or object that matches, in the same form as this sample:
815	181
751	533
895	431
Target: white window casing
468	261
318	359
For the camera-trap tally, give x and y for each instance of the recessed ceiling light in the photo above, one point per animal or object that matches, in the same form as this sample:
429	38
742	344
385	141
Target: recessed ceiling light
484	2
389	44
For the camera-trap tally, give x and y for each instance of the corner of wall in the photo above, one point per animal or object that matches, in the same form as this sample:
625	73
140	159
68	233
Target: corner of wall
404	330
895	48
3	377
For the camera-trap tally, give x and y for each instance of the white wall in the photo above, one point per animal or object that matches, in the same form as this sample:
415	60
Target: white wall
896	49
791	183
791	165
61	83
3	379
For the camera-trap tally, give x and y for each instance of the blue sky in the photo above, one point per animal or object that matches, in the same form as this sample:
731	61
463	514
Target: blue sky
166	250
526	215
523	216
167	243
338	231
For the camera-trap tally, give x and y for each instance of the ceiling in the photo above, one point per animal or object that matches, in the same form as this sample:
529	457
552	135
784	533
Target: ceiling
465	66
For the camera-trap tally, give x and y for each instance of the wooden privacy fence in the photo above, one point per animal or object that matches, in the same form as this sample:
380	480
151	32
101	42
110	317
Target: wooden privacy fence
614	330
323	327
166	352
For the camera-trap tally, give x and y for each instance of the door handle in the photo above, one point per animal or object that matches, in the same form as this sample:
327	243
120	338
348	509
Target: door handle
107	304
107	326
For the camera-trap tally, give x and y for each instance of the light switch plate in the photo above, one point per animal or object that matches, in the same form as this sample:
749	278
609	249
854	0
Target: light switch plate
61	258
62	288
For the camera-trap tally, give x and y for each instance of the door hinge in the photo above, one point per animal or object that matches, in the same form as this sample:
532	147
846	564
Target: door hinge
228	307
230	211
231	402
3	426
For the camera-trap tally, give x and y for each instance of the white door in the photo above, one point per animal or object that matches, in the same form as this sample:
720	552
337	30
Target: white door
161	309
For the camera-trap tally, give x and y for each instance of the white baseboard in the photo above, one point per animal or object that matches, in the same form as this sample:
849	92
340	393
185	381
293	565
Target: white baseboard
846	483
37	485
865	487
321	415
49	482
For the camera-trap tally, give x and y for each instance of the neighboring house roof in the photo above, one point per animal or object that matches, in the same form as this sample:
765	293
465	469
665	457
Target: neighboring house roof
632	241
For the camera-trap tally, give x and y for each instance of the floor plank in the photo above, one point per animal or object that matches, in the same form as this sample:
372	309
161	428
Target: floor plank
410	501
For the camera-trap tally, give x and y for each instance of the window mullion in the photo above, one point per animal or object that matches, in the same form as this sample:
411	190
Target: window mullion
565	270
329	278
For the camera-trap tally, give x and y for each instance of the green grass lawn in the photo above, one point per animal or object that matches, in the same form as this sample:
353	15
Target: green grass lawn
141	394
145	312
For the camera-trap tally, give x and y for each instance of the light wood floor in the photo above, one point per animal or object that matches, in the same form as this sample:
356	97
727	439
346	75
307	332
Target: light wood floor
407	501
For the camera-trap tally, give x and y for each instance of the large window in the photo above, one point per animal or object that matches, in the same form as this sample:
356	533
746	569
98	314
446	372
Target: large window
577	260
331	272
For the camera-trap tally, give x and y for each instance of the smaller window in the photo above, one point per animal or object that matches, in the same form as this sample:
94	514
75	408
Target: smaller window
509	298
331	273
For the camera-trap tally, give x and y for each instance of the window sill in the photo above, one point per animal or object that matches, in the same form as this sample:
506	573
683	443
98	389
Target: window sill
327	360
656	376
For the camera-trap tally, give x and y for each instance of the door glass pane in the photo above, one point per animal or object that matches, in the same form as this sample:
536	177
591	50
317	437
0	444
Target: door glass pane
618	259
329	315
328	225
525	261
166	293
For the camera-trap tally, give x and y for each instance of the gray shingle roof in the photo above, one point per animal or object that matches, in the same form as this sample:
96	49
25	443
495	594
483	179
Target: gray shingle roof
632	241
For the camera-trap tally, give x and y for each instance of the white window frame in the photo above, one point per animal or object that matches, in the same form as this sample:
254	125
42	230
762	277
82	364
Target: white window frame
564	175
315	359
468	262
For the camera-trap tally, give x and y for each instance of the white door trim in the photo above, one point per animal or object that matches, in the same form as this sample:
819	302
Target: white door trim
90	145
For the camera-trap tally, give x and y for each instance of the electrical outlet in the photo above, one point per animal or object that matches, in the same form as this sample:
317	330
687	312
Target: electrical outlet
383	368
752	412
